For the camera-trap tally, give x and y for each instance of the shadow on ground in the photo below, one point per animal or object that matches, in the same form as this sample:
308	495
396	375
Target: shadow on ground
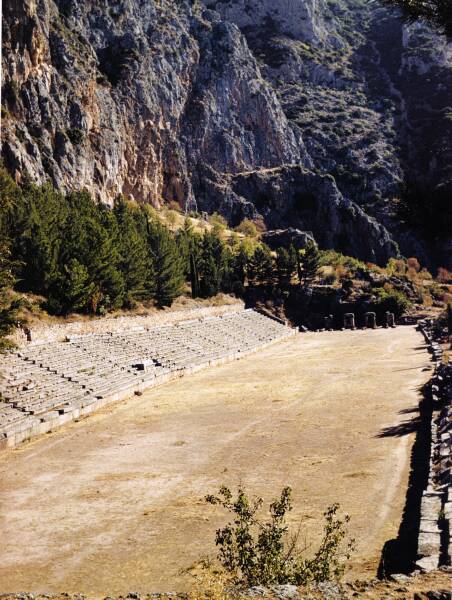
399	555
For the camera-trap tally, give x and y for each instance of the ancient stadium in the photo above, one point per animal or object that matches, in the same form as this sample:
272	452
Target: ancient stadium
114	501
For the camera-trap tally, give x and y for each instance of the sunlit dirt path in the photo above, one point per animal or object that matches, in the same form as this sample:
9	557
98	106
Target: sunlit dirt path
114	504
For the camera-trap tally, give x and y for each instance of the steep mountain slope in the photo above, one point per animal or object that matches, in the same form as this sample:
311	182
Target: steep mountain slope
372	98
289	110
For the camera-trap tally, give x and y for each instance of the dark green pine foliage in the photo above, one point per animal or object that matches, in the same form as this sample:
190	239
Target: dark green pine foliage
286	264
74	290
135	262
90	237
168	264
310	263
261	266
240	265
9	304
194	277
213	263
39	220
189	245
227	271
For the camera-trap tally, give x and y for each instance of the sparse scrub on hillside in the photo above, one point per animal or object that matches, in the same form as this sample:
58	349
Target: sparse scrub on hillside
257	551
248	228
218	221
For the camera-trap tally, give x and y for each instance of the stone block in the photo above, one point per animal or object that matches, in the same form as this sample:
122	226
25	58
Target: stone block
427	526
428	544
428	563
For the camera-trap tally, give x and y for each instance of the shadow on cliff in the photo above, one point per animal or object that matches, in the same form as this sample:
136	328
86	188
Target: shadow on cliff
399	554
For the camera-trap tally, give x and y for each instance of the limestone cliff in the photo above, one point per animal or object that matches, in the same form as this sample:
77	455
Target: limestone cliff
248	107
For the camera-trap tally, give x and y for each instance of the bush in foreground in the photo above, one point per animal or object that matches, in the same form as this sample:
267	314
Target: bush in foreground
263	552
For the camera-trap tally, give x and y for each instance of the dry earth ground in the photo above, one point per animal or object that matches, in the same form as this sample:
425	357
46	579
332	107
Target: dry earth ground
114	503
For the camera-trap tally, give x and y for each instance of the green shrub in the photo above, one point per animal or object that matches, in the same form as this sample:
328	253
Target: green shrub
259	552
218	220
247	227
391	300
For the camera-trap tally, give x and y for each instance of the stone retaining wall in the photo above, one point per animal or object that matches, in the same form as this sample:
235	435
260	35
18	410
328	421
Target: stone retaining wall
435	530
58	332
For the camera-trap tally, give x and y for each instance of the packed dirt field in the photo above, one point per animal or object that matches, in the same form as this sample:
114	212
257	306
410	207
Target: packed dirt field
114	503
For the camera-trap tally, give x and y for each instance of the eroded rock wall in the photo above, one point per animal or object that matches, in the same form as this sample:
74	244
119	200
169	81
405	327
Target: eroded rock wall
198	101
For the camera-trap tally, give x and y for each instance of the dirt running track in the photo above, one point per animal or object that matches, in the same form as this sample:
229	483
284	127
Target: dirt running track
114	503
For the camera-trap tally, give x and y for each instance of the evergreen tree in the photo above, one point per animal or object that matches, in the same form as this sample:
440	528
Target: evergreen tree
261	266
38	223
227	271
9	304
168	266
240	264
285	265
10	197
88	238
210	267
135	263
189	249
186	240
194	276
74	289
310	263
209	283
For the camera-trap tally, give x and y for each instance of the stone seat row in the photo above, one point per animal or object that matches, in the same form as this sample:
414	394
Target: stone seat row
45	385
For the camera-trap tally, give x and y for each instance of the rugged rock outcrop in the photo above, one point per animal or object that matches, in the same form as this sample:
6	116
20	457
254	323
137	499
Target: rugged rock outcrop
246	107
275	238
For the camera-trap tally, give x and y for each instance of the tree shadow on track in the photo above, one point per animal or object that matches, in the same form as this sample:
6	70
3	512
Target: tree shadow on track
399	555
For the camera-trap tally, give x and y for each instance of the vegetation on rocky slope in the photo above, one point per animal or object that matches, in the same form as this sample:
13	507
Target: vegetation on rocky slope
81	257
320	115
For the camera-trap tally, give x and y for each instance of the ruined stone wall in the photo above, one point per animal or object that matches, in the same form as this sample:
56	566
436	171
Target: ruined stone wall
435	529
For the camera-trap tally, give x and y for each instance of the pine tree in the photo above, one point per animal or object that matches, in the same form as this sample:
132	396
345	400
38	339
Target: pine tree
310	262
89	238
227	271
261	266
134	260
209	280
10	195
39	221
9	304
210	265
168	266
74	289
188	243
285	265
186	239
240	264
194	276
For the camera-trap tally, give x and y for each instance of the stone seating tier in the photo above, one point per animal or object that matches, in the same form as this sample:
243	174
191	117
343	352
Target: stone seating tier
46	385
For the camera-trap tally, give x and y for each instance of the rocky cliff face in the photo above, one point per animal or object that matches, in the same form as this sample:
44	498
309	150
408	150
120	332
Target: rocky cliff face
296	111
